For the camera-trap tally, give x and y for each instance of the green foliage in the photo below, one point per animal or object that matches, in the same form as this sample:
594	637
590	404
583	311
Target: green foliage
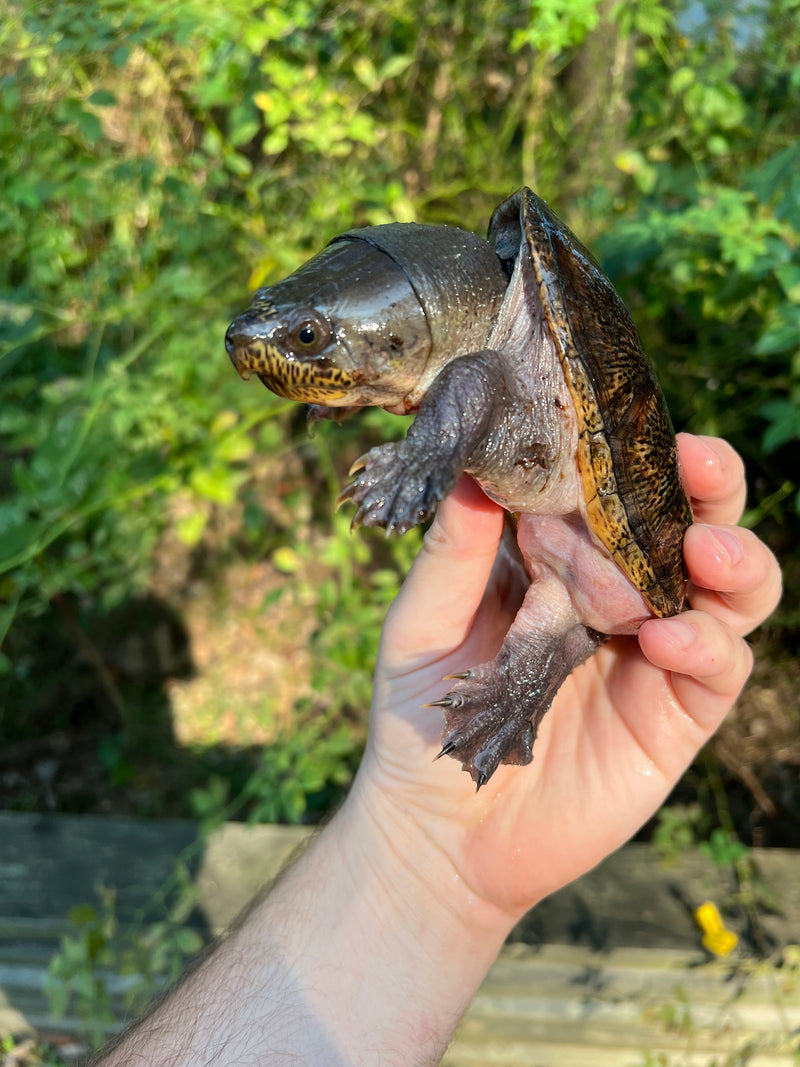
26	1052
104	969
710	254
738	1045
211	804
300	774
723	849
152	153
160	159
77	971
679	828
683	827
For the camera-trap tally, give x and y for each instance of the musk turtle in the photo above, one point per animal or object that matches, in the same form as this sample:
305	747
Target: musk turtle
525	370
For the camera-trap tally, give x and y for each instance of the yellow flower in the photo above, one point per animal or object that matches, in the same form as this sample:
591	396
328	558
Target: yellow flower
716	937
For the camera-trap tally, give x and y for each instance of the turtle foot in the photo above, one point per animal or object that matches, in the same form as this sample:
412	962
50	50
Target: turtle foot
394	489
482	727
492	713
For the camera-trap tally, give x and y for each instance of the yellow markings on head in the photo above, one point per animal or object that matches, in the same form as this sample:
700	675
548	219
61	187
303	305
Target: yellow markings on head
307	381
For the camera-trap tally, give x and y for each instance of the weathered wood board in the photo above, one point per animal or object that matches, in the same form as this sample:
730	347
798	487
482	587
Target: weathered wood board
609	971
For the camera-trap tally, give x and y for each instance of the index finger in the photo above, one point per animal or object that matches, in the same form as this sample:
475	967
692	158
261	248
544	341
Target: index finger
438	600
713	476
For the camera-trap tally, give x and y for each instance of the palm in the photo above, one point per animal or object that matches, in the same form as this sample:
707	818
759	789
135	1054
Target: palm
593	753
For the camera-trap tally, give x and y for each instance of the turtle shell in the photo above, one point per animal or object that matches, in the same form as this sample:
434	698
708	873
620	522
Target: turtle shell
635	504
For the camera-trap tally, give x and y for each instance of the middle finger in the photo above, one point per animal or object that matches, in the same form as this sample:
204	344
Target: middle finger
733	575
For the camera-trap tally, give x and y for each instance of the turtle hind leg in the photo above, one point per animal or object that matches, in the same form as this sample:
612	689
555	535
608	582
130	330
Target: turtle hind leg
493	711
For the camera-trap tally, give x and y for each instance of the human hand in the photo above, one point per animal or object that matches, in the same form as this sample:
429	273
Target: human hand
369	948
622	728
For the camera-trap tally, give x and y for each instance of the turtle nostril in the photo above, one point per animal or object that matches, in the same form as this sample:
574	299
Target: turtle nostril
241	347
230	343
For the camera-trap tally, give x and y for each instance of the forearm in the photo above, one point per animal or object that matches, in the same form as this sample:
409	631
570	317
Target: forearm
366	952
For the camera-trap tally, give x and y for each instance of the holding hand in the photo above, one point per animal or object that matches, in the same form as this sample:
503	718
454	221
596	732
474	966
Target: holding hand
622	728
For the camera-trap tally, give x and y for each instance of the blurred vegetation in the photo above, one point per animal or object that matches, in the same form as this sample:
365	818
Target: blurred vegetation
159	160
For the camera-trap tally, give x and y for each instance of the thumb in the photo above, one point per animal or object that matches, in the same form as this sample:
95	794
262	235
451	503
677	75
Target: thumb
435	608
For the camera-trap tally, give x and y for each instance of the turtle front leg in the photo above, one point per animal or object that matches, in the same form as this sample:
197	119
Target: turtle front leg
493	711
398	485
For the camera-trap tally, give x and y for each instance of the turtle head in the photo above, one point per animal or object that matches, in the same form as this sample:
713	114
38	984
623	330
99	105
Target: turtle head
346	329
373	318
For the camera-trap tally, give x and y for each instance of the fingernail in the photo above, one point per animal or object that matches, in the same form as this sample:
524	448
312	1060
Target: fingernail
715	454
680	634
728	547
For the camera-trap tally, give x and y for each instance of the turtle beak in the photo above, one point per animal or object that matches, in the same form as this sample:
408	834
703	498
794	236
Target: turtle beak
246	340
234	348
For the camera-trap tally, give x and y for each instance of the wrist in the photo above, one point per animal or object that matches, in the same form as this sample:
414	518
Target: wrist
367	950
407	861
409	858
380	941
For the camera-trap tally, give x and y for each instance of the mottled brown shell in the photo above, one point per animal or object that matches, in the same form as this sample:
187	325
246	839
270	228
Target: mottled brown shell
635	504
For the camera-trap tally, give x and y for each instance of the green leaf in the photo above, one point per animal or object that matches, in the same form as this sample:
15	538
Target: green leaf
190	528
682	79
784	423
90	127
188	941
395	66
102	98
82	915
788	275
215	484
723	848
783	335
14	539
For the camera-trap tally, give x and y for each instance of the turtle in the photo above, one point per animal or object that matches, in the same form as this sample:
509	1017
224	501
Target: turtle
523	369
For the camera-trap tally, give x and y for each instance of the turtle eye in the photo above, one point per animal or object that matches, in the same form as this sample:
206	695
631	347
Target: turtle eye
307	335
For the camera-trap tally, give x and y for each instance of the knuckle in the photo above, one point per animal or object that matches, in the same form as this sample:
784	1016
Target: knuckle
437	540
726	654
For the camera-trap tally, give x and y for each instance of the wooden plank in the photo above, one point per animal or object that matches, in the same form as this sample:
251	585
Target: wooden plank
606	971
563	1005
49	864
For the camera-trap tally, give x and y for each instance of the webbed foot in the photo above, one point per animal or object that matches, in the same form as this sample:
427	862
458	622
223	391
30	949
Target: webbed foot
393	487
492	713
484	726
398	485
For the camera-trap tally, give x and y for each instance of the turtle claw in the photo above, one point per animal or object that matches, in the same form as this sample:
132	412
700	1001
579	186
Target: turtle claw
365	511
345	495
443	702
483	741
358	466
480	779
484	727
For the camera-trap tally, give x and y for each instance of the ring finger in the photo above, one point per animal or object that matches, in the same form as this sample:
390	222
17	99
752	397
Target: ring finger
733	575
